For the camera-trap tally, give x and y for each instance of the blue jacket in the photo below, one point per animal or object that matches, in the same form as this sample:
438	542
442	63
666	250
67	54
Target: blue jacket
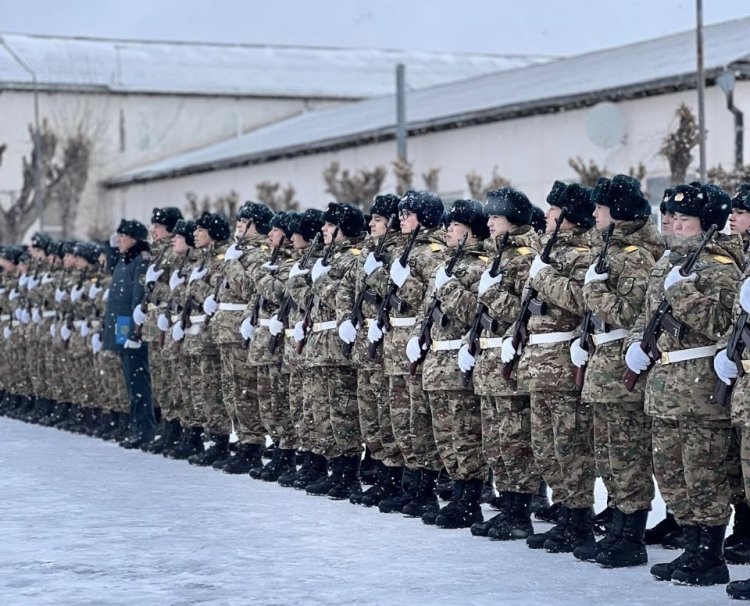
125	292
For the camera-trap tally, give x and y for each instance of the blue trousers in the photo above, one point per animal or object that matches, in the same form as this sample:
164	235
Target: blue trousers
138	381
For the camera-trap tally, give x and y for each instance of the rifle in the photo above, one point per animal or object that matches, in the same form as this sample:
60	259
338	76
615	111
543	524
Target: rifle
191	303
307	319
663	320
482	320
287	303
590	321
222	280
170	302
146	298
434	314
357	318
739	341
392	300
531	305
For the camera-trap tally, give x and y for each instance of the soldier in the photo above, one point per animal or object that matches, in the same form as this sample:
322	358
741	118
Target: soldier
739	220
690	431
560	423
622	430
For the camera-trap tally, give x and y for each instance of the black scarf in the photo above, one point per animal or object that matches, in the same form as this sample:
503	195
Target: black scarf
134	251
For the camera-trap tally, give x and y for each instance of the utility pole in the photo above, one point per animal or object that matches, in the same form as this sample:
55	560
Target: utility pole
401	111
701	89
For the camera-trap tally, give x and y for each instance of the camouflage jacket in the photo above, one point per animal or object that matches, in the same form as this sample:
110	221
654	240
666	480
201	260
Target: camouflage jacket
178	295
704	306
618	301
157	293
503	303
299	289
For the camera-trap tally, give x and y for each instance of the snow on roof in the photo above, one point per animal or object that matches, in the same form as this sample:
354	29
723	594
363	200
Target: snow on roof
623	72
130	66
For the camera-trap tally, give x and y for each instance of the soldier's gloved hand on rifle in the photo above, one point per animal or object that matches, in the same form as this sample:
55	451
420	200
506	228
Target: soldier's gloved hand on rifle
372	264
94	291
138	316
24	317
178	334
578	355
132	344
413	350
36	317
210	305
96	343
299	332
636	359
247	330
162	322
153	274
674	277
725	368
319	270
374	333
32	283
297	271
233	253
76	293
465	360
745	295
53	330
65	332
593	276
175	280
85	329
197	274
7	332
14	295
347	332
47	279
442	278
17	314
507	351
23	281
487	281
59	295
275	326
537	265
399	273
270	267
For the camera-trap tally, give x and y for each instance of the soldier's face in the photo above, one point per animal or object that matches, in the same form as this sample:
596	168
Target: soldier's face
552	215
38	254
498	225
602	216
244	229
158	232
378	226
81	263
179	245
69	261
298	242
328	229
275	236
686	227
409	221
124	243
202	239
667	224
739	221
455	233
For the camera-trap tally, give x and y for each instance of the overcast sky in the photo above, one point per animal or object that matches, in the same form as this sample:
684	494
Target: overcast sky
546	27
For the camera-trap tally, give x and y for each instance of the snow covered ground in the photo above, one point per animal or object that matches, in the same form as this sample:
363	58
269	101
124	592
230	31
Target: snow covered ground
84	522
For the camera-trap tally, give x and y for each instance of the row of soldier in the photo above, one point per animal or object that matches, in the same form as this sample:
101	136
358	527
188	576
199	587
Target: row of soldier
463	341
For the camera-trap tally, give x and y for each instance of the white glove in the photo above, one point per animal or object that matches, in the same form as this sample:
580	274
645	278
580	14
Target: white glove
442	278
507	351
163	323
65	332
297	271
76	293
36	317
32	283
725	368
23	281
319	270
578	355
268	267
85	329
745	295
666	253
210	305
177	333
53	330
233	253
197	274
592	276
674	276
299	332
47	279
371	264
487	281
399	273
347	332
7	332
94	291
96	343
374	334
175	280
247	330
465	360
138	316
17	314
153	274
131	344
24	316
105	296
537	265
413	350
14	295
275	326
637	359
59	295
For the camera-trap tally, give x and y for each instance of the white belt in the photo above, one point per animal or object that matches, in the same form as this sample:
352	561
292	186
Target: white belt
288	332
198	319
321	326
175	318
49	314
681	355
96	324
446	345
232	306
160	306
612	335
4	317
490	342
264	322
399	322
369	321
194	330
550	337
79	323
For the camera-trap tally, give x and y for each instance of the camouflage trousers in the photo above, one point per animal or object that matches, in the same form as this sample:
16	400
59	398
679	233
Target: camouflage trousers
110	382
187	413
17	348
335	411
506	443
80	379
690	467
315	392
304	427
205	388
457	427
735	466
35	361
622	450
161	376
421	433
399	403
239	389
375	417
273	400
562	440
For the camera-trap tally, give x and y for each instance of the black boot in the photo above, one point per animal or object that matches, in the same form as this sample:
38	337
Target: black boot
174	441
468	510
537	541
404	494
288	478
216	451
663	572
488	490
707	566
502	503
579	532
190	445
272	471
588	552
105	420
317	470
431	516
388	484
324	484
348	483
739	590
287	465
665	533
220	464
156	446
123	426
425	500
444	488
246	458
368	468
110	426
603	519
516	524
629	549
550	514
737	544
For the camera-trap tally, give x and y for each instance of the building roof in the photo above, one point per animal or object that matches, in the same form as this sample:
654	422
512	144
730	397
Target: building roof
131	66
645	68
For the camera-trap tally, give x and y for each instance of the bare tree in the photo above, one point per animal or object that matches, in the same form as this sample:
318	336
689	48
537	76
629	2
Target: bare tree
478	189
588	174
677	146
729	180
404	174
276	197
639	172
356	188
69	178
225	204
431	178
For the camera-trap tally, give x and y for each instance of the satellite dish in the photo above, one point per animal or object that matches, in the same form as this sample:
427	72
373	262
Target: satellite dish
606	125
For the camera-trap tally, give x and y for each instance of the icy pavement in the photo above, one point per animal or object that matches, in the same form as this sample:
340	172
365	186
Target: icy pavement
84	522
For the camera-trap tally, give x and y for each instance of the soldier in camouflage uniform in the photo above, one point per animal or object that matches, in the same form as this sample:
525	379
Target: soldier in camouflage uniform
739	220
454	408
410	411
690	431
622	430
15	263
560	424
505	406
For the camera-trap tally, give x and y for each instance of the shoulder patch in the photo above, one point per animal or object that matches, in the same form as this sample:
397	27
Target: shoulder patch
355	251
722	259
220	257
435	247
264	246
524	250
631	248
483	259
